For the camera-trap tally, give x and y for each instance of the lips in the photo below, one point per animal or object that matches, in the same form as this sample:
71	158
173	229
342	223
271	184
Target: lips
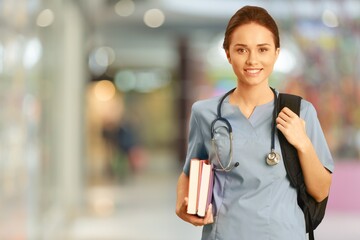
253	71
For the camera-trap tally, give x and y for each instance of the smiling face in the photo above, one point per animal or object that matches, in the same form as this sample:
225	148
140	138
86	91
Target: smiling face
252	54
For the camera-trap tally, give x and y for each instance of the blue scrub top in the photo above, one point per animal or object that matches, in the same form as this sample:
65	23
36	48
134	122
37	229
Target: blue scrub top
253	200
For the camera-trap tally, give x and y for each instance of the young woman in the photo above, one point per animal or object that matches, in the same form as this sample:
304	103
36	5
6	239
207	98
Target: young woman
253	199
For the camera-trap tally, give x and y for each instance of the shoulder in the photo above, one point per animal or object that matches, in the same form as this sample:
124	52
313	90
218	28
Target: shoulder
307	109
305	105
205	110
209	104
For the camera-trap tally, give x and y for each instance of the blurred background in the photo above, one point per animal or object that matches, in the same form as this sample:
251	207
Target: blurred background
95	97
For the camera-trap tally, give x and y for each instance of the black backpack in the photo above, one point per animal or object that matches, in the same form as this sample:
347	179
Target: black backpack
313	211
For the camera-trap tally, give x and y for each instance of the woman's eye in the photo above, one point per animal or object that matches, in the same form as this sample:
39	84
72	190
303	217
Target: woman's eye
241	50
263	50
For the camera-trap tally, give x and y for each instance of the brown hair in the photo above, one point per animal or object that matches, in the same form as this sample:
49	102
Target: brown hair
247	15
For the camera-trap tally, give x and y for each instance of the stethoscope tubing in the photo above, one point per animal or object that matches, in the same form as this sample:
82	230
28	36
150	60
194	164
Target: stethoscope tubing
272	158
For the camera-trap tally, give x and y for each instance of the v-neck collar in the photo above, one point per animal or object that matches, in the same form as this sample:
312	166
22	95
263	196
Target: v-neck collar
257	115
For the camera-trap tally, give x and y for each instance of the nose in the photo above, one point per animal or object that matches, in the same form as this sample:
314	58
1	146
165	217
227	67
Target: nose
252	58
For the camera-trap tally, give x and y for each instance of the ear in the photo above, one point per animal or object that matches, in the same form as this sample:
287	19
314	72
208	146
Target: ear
277	52
228	56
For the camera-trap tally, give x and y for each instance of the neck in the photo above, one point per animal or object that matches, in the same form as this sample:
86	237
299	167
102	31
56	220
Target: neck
252	96
248	98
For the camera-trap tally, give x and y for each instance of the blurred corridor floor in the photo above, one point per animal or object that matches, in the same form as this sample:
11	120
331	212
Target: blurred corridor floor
144	209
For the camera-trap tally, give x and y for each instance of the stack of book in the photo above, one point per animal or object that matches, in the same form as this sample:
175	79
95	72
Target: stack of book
200	187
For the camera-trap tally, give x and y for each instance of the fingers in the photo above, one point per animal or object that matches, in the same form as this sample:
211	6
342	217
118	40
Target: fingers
292	126
286	116
285	119
209	218
288	112
194	219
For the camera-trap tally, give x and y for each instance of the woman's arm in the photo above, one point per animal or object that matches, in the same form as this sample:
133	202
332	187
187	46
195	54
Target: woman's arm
182	202
316	177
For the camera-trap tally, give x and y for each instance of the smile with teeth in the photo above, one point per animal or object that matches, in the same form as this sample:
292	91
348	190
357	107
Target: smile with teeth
253	71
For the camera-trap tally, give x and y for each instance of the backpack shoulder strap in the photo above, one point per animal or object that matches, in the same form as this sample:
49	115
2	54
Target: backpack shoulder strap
290	156
294	172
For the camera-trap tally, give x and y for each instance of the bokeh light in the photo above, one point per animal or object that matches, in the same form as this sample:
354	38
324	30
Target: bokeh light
154	18
104	90
45	18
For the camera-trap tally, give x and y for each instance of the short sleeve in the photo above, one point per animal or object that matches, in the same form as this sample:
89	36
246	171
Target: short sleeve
316	135
196	147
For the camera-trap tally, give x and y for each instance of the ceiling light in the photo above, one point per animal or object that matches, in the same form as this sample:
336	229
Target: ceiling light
45	18
330	19
125	8
154	18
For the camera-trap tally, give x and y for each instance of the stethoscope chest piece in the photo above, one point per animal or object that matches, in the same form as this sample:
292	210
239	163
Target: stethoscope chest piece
273	158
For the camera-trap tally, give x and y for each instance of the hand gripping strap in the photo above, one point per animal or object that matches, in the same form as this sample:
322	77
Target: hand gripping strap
291	160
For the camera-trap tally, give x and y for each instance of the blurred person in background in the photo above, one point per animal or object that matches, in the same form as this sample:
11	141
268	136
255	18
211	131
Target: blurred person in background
251	199
123	139
115	141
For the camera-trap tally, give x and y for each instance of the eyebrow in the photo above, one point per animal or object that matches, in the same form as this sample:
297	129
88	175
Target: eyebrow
259	45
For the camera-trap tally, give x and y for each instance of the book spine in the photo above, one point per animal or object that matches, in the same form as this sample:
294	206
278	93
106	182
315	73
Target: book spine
193	186
211	186
205	188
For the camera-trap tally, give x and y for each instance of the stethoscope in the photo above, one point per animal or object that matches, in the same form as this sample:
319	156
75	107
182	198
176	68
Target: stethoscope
272	158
